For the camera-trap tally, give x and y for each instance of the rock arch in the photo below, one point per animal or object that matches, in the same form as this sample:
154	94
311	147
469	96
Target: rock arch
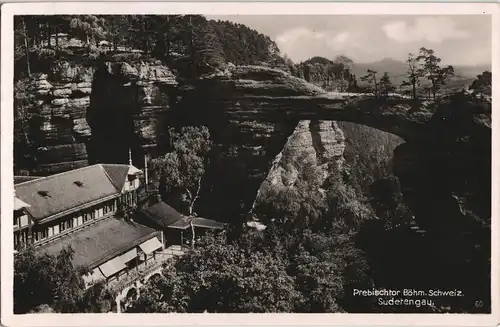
251	111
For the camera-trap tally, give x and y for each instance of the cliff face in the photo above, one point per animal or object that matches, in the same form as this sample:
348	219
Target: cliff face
86	114
259	94
58	130
251	112
128	109
321	141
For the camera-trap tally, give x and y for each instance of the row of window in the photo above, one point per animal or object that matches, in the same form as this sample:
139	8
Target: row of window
75	221
20	237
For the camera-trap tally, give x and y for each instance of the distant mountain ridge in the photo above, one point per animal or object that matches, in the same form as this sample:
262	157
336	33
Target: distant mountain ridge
399	67
464	75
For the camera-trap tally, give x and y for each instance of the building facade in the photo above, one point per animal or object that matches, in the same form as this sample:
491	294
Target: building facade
89	209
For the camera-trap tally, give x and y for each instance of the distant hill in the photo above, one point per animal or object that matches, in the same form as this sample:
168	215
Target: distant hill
464	75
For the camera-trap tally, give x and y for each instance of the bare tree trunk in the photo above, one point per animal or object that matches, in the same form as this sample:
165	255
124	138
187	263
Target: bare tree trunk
48	35
57	37
414	89
168	40
193	200
26	48
193	234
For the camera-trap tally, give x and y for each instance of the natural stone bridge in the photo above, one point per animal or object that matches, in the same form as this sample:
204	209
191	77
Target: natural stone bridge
265	94
251	111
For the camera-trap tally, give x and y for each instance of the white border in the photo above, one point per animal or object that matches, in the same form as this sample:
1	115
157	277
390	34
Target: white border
208	8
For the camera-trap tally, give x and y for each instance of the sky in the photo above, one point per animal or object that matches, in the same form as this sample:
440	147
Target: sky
457	39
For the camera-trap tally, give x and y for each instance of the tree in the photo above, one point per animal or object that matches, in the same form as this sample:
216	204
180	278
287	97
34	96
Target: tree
371	78
207	48
42	308
46	280
97	299
386	86
432	70
88	28
116	30
481	86
21	32
219	276
181	171
413	74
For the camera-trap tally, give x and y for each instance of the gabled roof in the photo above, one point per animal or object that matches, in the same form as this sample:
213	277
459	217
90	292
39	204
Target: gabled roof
19	204
166	216
58	193
207	223
101	242
163	214
117	174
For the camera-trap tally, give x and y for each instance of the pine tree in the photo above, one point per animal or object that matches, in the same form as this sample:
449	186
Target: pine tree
371	78
432	70
386	86
413	74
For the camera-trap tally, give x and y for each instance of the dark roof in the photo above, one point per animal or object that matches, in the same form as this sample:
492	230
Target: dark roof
117	173
207	223
100	242
60	192
22	179
162	214
166	216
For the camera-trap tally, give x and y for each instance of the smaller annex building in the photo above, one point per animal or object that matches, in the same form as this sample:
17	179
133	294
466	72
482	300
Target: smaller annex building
89	209
176	228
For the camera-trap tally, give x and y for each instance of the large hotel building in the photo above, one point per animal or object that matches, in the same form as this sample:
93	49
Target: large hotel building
94	209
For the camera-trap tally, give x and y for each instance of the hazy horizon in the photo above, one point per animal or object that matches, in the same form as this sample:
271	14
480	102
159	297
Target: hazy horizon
371	38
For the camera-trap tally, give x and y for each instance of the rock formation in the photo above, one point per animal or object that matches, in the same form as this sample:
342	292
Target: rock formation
246	95
59	129
128	109
251	112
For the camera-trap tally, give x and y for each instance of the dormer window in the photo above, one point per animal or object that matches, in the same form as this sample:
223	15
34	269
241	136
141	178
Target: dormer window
44	194
78	183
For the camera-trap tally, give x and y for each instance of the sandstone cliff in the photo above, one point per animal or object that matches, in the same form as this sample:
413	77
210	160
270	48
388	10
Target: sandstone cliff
251	112
59	131
65	117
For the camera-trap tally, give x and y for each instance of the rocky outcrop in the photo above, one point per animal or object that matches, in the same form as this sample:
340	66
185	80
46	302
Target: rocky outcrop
59	131
241	95
60	134
251	113
322	142
128	108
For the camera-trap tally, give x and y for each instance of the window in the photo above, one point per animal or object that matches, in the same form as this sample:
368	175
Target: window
92	215
44	194
35	236
24	237
16	221
43	233
16	240
69	224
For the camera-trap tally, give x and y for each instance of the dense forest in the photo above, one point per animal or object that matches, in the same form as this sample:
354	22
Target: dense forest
323	237
189	41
